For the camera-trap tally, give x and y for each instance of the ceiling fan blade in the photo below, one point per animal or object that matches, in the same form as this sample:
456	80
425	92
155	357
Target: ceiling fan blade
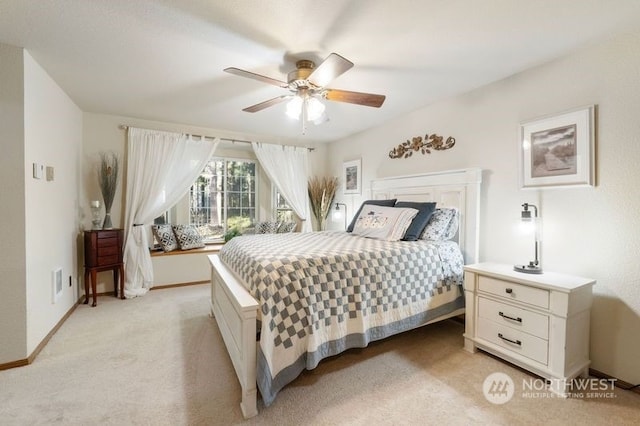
267	104
366	99
254	76
332	67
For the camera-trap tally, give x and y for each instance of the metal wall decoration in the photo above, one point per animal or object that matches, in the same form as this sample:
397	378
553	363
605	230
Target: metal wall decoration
423	145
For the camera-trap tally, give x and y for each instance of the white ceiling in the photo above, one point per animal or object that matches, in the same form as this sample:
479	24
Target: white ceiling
163	60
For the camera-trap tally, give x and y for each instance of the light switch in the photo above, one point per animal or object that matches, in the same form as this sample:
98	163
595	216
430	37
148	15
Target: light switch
37	170
49	173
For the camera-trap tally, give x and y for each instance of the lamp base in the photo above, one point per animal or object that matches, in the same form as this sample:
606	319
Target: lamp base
528	269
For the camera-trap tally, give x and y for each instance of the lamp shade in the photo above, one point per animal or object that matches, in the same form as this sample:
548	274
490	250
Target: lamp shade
337	213
534	266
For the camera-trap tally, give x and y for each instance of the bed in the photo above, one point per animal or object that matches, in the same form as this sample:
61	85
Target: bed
313	295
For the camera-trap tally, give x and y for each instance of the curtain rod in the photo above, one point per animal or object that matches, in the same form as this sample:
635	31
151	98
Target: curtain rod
125	127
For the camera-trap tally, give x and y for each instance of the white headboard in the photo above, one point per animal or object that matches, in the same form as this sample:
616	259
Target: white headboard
454	188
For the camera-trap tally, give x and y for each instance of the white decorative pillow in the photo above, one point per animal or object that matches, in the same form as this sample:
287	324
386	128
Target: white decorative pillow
165	237
386	203
268	227
285	227
383	223
443	225
187	237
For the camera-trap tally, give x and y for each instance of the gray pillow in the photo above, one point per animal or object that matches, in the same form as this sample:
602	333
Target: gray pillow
425	210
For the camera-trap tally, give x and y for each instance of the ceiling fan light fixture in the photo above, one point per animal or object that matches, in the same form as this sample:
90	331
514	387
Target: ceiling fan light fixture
294	107
315	108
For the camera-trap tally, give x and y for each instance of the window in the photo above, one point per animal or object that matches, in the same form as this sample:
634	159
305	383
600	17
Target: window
223	197
163	219
282	209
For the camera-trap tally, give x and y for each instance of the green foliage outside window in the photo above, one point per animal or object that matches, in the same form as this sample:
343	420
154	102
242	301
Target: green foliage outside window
224	197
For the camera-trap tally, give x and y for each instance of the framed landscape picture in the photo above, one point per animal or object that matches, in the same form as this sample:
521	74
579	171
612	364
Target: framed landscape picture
352	177
558	151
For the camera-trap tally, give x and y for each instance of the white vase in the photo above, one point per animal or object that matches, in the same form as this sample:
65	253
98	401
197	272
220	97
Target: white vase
96	220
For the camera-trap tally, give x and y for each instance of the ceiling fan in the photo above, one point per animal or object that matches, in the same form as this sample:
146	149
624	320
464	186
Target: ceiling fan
307	84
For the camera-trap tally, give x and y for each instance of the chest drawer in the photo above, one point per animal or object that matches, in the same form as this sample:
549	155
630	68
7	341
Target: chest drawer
107	242
514	317
108	250
107	260
108	234
512	291
513	340
102	248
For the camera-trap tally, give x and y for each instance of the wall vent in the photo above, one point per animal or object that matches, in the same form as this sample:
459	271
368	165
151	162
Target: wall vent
56	285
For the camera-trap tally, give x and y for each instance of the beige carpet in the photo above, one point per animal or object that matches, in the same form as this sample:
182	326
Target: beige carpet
160	360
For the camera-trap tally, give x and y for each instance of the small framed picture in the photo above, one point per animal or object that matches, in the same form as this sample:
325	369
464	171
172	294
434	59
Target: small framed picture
558	151
352	177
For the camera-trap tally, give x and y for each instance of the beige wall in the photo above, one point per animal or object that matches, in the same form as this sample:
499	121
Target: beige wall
188	268
53	137
13	307
592	232
38	124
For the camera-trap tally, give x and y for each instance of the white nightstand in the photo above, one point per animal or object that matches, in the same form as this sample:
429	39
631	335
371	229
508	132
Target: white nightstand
538	322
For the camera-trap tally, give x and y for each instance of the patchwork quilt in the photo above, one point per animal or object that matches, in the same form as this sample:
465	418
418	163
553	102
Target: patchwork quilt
321	293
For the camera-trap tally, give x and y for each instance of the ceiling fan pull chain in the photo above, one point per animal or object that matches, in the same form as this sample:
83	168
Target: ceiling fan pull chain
304	116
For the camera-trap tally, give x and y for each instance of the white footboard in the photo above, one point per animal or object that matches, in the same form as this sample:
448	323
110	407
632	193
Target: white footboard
235	311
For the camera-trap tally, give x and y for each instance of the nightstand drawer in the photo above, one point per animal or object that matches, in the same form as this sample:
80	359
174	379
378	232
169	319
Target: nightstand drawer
516	341
514	317
512	291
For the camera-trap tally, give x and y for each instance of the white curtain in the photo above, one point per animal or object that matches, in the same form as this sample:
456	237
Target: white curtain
288	169
161	167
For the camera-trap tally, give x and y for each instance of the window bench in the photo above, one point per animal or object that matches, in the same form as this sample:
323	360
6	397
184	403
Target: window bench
182	266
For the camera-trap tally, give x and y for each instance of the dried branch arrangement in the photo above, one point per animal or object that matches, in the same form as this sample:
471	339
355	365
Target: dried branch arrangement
322	192
418	144
108	177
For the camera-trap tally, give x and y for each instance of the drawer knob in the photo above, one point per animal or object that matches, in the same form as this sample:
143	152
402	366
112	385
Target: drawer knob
515	342
509	318
508	290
